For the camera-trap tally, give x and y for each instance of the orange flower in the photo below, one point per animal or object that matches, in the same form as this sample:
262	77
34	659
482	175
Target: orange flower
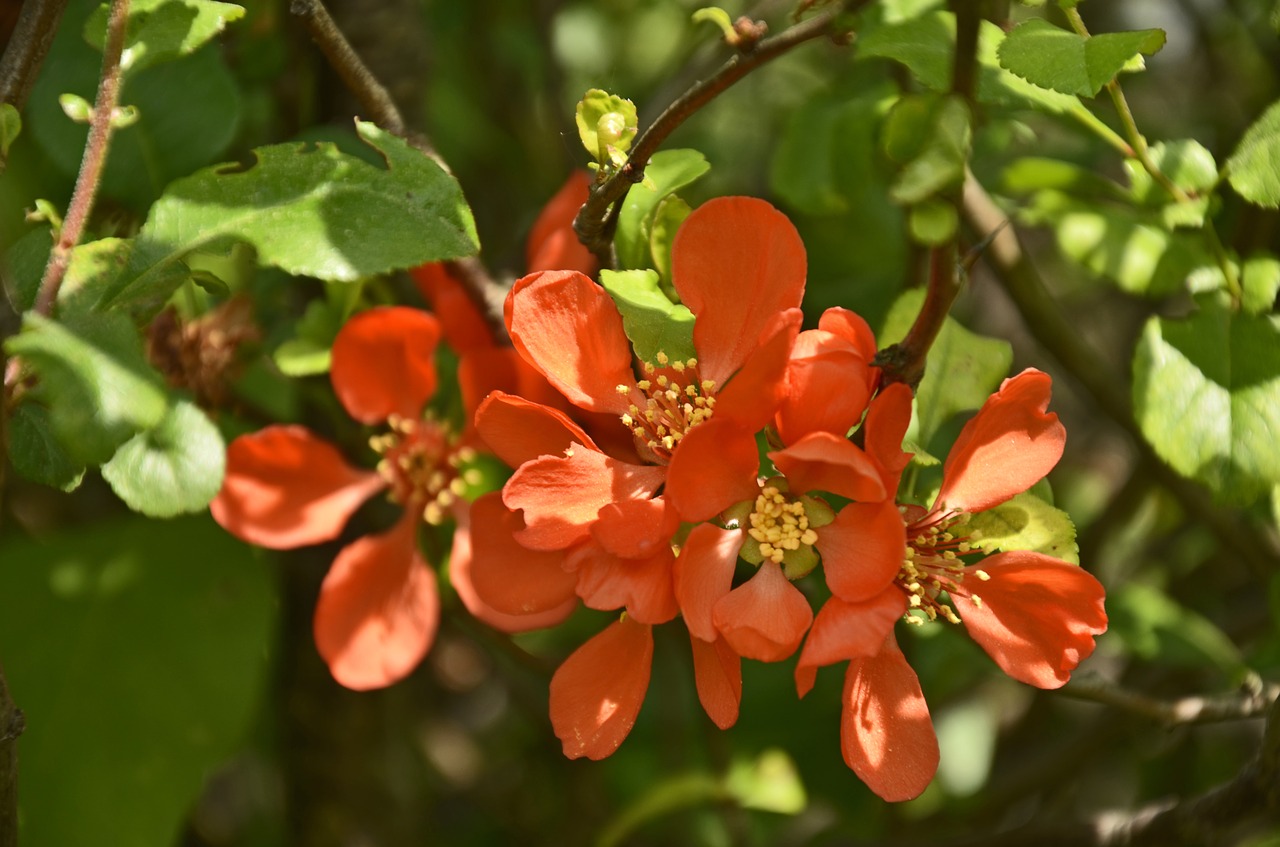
1035	615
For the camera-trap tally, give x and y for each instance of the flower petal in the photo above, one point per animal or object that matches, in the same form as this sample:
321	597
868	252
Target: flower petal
384	363
717	670
562	495
704	574
712	468
885	731
519	431
852	328
644	587
597	692
567	327
887	420
736	262
844	631
765	618
507	577
829	383
378	609
824	462
463	324
1037	616
553	245
285	487
1010	445
756	391
862	549
635	529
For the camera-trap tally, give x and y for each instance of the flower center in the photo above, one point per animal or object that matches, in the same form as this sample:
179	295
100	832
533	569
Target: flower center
422	464
932	565
676	399
780	528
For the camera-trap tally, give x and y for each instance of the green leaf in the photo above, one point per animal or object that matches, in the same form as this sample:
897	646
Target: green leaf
162	30
95	380
652	322
1060	60
174	468
318	213
940	163
667	219
770	783
933	222
1207	396
1254	167
10	126
1026	523
962	369
1191	167
1260	279
36	453
1033	173
1155	627
140	651
668	171
607	124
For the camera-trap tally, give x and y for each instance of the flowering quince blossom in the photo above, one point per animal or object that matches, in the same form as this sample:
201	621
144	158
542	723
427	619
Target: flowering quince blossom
285	487
581	520
1035	615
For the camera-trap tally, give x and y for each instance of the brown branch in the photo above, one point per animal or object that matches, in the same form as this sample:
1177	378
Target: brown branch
20	65
1252	702
95	158
1022	282
12	724
598	217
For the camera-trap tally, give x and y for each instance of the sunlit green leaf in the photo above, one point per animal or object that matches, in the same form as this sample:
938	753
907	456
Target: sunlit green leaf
1190	166
317	213
770	783
1026	523
933	222
1260	279
174	467
607	124
1063	61
652	322
1254	167
161	30
1207	395
667	219
668	171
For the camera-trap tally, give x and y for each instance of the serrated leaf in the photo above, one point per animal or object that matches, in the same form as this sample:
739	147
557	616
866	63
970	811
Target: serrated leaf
161	30
668	171
36	453
94	379
1206	394
1026	523
962	369
318	213
1155	627
1254	167
652	322
1060	60
1260	279
173	468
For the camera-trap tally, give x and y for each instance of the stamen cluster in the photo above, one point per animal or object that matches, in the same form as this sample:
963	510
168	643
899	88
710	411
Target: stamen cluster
423	466
779	524
932	565
676	400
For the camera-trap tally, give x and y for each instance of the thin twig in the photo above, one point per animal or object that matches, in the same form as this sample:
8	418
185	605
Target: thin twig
1022	282
95	158
597	218
11	726
1250	703
20	65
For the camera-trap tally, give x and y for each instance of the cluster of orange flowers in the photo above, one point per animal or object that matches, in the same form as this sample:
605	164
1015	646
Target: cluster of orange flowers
707	489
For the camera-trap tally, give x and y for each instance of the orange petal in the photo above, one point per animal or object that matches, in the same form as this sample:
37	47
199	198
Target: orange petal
519	431
736	262
644	587
378	609
597	692
885	731
463	324
635	529
1009	446
553	245
852	328
286	488
757	390
824	462
567	327
1037	616
828	385
886	426
712	468
507	577
704	574
862	549
717	670
844	631
562	495
765	618
384	363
